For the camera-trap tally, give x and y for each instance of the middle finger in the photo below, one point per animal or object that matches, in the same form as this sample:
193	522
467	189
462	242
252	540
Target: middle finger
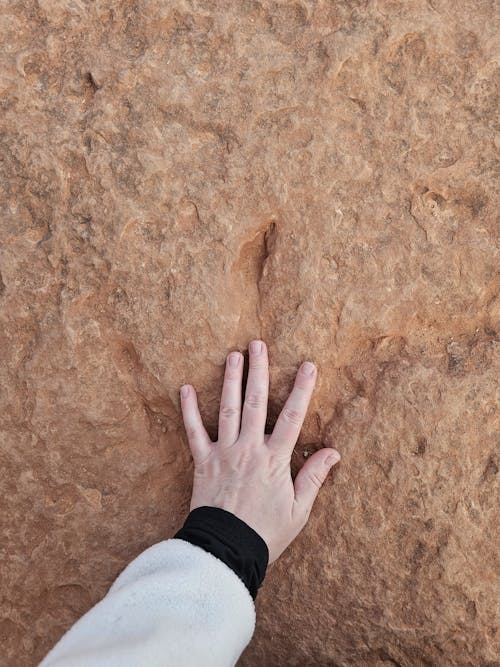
253	419
230	404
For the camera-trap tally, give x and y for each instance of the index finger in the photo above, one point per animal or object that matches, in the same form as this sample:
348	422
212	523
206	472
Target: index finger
291	418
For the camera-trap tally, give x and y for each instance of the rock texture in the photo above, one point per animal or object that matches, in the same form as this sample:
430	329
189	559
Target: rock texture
180	177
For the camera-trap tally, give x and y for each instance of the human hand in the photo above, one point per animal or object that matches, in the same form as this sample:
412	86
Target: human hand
247	472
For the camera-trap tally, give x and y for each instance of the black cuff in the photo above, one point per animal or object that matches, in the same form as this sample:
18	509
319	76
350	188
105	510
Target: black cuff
231	540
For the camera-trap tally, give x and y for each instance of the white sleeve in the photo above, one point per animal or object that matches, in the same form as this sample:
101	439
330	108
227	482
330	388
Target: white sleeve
175	604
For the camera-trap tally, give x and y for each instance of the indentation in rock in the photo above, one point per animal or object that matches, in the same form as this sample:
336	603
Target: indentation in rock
491	469
90	82
254	253
158	405
421	446
249	270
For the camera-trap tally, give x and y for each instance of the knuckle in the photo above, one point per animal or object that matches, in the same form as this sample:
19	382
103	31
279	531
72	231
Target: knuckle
228	412
301	389
255	400
315	479
259	363
292	416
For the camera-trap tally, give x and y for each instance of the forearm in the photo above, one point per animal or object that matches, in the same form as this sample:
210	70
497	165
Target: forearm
176	604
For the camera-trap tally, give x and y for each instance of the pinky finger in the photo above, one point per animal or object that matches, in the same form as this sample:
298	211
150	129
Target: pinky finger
198	438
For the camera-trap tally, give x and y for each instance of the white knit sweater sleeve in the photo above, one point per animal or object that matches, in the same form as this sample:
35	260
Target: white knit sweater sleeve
175	604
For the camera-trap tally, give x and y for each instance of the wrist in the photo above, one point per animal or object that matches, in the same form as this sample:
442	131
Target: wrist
231	540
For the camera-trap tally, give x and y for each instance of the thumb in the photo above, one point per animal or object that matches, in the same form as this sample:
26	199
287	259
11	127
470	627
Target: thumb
311	476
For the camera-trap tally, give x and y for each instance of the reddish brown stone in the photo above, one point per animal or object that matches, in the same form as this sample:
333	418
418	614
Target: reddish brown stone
180	177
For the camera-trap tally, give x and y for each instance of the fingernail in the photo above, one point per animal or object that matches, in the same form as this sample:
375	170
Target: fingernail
184	390
256	347
234	359
332	459
308	368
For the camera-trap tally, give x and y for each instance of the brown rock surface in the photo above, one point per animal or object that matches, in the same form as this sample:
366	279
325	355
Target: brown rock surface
180	177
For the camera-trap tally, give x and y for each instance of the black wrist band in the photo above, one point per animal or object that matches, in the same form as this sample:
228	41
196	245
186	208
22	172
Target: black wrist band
231	540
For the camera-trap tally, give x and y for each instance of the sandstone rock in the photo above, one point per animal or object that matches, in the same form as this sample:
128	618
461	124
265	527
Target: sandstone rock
180	177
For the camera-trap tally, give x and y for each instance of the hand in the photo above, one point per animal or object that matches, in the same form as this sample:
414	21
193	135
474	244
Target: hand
247	472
